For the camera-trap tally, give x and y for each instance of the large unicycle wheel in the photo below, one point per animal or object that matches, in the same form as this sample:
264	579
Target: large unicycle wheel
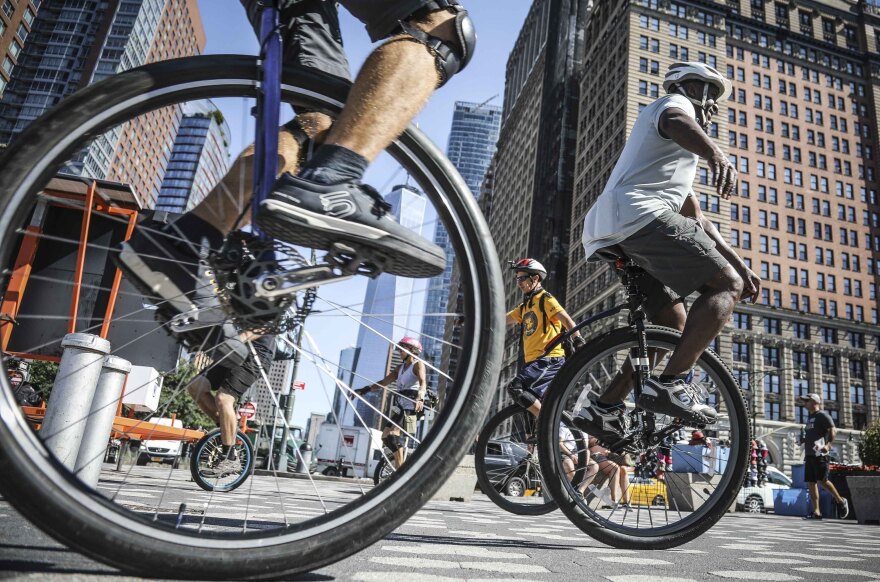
675	492
207	462
507	465
268	526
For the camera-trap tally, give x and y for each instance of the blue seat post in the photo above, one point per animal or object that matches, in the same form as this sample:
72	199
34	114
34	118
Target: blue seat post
268	109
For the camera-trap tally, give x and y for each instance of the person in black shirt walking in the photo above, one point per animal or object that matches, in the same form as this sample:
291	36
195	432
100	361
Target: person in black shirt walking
818	436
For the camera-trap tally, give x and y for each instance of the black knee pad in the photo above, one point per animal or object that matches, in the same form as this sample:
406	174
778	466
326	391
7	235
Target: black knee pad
520	395
392	441
450	57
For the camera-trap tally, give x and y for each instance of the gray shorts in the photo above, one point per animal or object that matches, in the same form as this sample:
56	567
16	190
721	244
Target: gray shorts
311	34
677	256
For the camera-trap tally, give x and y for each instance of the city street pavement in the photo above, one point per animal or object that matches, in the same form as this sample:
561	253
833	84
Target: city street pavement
477	541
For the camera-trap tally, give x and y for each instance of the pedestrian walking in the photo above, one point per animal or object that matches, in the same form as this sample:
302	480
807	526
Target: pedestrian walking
819	433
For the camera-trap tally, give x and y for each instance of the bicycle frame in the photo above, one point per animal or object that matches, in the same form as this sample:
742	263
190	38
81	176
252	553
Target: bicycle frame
268	108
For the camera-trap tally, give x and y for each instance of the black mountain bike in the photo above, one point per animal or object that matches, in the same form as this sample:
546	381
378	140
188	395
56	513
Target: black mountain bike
139	520
699	487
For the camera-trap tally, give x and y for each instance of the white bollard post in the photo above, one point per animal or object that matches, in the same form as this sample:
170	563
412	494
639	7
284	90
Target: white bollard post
71	398
100	423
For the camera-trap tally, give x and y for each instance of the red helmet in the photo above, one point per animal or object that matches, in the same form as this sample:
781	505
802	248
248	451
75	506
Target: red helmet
530	266
411	342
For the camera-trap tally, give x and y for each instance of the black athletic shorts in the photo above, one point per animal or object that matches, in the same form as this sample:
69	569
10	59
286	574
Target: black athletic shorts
815	469
311	28
237	379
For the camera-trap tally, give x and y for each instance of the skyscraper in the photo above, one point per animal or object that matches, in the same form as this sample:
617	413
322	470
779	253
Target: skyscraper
345	373
801	127
534	165
15	26
392	307
199	158
76	42
471	146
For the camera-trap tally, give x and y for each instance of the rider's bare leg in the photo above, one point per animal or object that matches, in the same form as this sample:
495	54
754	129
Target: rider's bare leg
673	315
225	402
377	109
222	206
707	317
200	391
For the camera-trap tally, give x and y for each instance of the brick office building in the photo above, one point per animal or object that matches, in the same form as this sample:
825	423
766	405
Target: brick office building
801	127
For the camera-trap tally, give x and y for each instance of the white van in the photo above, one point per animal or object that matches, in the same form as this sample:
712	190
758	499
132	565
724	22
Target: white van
156	451
347	451
760	499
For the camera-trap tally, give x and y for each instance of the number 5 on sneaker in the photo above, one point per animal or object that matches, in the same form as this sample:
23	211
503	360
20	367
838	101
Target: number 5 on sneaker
307	213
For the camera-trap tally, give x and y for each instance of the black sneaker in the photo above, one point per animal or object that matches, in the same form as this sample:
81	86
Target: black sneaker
843	509
606	426
814	516
168	264
679	399
317	215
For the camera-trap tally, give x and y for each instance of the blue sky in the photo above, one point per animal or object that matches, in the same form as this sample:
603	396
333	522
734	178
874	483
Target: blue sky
497	23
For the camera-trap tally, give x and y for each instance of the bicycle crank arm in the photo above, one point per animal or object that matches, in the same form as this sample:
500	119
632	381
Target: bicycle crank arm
274	285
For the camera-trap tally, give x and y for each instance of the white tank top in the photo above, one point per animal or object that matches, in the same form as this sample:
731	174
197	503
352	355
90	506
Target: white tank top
407	384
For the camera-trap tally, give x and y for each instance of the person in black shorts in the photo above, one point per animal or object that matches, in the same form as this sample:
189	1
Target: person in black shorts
218	389
818	436
319	202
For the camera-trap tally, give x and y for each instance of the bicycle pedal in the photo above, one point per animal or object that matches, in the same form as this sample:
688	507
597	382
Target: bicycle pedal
368	262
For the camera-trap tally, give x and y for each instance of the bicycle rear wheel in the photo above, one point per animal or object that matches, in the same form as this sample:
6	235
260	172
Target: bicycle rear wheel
699	486
154	528
507	465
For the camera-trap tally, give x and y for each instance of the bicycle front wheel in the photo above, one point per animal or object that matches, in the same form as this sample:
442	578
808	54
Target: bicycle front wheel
140	520
507	464
207	455
673	492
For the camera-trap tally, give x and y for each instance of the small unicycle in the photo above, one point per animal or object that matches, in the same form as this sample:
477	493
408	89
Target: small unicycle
212	471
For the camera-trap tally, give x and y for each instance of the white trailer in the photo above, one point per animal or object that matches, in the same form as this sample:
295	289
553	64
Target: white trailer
347	451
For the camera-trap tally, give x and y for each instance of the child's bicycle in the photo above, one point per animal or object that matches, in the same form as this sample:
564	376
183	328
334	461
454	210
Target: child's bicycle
272	526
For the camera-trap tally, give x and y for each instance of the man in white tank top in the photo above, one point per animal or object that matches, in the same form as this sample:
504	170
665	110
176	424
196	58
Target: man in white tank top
649	214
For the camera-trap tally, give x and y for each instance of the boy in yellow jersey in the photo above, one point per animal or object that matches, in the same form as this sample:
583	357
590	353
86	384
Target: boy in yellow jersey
542	319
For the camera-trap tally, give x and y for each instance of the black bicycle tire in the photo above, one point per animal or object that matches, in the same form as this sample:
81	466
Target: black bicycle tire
44	492
485	483
555	395
205	483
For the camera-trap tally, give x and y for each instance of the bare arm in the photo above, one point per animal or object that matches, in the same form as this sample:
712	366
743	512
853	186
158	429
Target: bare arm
678	126
423	385
566	320
751	282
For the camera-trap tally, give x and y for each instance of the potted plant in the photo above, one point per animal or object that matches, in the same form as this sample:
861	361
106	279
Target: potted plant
865	489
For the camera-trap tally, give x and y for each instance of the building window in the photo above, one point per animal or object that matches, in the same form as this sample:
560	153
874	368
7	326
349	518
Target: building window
740	352
742	320
772	325
857	394
829	390
771	356
801	330
771	383
829	364
771	410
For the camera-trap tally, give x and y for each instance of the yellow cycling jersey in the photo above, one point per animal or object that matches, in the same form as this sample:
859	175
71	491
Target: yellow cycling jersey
535	337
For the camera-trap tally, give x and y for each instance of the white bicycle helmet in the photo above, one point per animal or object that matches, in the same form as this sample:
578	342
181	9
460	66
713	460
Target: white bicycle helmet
681	72
530	266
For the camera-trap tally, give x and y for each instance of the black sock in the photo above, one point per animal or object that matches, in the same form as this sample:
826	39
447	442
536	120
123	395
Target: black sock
226	451
333	164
